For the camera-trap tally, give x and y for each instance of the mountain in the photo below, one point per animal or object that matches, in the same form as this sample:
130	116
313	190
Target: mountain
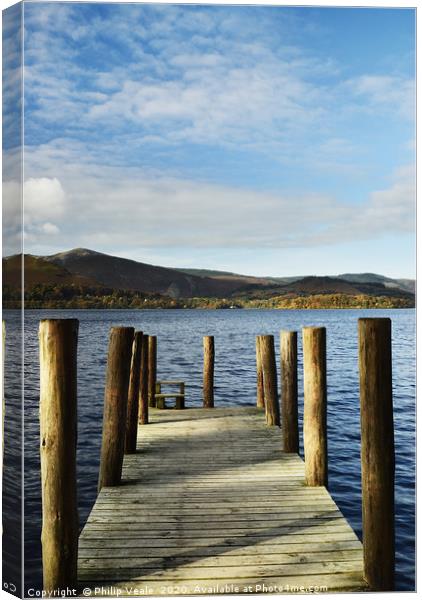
39	270
328	286
227	276
122	273
407	285
90	269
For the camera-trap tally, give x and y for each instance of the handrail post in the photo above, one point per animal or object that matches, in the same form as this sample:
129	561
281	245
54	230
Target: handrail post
58	339
115	405
209	357
377	452
315	406
133	395
289	404
272	405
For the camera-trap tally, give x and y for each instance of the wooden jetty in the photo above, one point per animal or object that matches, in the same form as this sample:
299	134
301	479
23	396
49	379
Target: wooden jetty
214	500
211	504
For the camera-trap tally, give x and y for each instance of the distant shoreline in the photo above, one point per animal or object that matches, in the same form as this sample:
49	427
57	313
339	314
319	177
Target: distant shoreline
72	298
246	308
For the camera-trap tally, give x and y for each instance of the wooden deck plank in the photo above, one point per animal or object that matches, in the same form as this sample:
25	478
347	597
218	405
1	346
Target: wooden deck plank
226	560
210	500
221	516
310	549
223	572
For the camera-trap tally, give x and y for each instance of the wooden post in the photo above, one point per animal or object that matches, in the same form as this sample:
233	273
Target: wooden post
315	406
289	410
260	402
160	403
143	390
272	406
152	368
377	453
180	401
209	356
58	340
133	395
115	405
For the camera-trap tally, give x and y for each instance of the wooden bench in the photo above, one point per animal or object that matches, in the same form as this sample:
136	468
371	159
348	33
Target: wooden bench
179	395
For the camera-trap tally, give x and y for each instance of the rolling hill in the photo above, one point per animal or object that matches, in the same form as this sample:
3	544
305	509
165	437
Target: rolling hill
39	271
122	273
402	284
97	271
406	285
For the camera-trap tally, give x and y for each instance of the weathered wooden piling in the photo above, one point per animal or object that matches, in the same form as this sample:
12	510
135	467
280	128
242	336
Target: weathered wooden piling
260	401
289	408
377	452
315	406
269	369
152	368
133	395
143	390
209	357
115	405
58	339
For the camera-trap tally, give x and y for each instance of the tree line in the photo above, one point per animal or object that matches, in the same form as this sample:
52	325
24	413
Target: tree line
84	297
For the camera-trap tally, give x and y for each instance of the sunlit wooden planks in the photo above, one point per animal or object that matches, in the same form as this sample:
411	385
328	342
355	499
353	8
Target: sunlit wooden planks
210	504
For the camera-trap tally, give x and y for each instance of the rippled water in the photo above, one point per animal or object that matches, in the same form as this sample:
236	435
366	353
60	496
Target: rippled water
180	357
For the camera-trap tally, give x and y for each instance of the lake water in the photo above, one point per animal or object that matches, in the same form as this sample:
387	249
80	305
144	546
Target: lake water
180	335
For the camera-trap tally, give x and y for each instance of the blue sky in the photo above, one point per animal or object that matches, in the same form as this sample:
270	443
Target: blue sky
263	140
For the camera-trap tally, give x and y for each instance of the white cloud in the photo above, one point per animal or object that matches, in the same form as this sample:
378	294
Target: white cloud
11	205
44	198
178	82
383	92
216	100
394	208
181	75
386	211
50	229
12	202
109	207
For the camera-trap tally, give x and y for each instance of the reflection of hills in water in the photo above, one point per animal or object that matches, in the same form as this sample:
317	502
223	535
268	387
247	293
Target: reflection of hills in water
88	268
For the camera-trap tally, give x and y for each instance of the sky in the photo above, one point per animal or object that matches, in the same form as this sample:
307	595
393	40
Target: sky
261	140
